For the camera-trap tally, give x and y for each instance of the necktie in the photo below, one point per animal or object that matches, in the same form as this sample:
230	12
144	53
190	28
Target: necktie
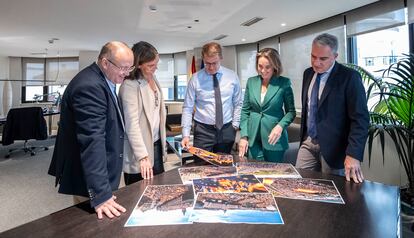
313	108
219	106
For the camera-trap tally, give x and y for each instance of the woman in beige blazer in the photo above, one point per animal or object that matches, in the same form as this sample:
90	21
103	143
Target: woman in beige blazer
144	113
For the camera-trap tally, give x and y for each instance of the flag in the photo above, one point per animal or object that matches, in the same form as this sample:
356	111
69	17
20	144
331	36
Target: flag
193	67
202	64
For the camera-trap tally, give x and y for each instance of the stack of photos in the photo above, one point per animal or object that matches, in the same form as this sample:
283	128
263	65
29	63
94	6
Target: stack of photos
234	199
187	174
267	170
163	205
212	158
304	189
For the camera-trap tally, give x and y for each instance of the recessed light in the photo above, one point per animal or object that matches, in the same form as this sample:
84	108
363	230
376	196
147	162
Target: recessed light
152	8
189	27
243	39
283	24
196	20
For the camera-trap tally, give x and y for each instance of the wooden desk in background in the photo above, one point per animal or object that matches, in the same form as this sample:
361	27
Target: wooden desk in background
370	210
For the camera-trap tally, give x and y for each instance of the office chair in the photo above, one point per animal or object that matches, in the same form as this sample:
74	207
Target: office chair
24	124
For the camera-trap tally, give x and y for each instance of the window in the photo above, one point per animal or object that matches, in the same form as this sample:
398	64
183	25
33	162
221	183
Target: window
181	87
377	50
165	76
44	79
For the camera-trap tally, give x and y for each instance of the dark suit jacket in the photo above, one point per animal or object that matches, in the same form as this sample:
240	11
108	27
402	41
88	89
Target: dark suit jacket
87	159
18	127
278	107
342	117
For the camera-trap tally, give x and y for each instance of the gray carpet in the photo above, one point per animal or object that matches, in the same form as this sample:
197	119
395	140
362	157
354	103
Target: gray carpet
27	192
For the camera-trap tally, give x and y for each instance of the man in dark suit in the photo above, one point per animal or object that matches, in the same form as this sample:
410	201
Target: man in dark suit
335	118
88	155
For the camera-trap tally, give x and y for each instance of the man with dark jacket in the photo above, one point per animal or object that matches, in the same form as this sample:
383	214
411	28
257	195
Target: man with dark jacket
88	155
335	119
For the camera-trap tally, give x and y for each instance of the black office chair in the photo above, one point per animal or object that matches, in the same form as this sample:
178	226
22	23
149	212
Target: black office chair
24	124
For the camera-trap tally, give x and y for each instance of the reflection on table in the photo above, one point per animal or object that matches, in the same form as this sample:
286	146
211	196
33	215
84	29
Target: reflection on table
371	210
174	143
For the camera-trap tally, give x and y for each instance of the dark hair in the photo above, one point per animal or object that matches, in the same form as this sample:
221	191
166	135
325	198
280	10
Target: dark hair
143	52
327	39
211	49
274	59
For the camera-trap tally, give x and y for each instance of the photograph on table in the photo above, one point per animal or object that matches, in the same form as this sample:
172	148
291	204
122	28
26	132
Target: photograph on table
210	157
187	174
163	205
252	208
267	169
230	184
319	190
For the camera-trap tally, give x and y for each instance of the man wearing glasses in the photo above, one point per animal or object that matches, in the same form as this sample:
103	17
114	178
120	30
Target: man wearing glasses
214	95
88	155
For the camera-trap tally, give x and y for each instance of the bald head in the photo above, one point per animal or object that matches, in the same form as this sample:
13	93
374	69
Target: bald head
114	58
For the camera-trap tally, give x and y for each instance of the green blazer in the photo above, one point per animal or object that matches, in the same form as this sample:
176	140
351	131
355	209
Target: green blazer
278	107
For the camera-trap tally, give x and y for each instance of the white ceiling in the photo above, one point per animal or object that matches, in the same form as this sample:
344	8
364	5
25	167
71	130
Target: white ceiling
27	25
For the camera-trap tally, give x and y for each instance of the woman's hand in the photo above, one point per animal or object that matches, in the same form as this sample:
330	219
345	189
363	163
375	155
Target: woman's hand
146	168
243	146
275	134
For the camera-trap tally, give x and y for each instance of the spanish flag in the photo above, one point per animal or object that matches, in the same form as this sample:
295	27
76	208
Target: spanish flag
193	67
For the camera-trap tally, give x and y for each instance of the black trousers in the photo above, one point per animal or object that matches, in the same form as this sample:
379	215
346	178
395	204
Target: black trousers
209	138
157	169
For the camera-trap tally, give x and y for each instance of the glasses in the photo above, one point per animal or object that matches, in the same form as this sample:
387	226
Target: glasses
122	69
212	64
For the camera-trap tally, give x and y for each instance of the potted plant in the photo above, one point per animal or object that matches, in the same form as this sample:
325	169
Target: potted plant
392	114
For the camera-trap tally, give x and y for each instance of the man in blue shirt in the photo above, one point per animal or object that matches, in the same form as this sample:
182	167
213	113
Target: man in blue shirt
214	96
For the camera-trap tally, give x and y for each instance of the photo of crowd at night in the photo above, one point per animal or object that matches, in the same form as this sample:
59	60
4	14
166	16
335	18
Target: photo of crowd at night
267	169
187	174
235	184
304	189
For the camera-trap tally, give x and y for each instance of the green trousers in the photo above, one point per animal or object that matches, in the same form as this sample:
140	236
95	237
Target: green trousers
257	152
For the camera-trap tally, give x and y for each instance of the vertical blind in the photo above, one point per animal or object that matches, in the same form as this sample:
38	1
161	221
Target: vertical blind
246	62
376	16
180	63
49	71
165	71
272	42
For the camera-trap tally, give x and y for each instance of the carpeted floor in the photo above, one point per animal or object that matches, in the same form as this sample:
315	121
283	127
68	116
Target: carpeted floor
27	192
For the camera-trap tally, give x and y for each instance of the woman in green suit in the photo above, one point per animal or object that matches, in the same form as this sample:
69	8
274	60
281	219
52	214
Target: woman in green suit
268	108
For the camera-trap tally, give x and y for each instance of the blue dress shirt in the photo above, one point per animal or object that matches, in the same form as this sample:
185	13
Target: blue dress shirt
200	96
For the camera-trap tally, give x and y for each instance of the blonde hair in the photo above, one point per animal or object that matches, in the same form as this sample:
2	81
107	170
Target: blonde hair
211	49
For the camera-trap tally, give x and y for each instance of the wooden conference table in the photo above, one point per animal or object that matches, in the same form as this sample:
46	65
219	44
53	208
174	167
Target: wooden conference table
370	210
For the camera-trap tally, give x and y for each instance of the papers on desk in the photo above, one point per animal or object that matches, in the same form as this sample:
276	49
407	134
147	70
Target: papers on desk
187	174
212	158
163	205
242	194
320	190
267	170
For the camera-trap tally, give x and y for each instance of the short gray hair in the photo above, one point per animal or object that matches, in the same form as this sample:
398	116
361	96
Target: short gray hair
327	39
